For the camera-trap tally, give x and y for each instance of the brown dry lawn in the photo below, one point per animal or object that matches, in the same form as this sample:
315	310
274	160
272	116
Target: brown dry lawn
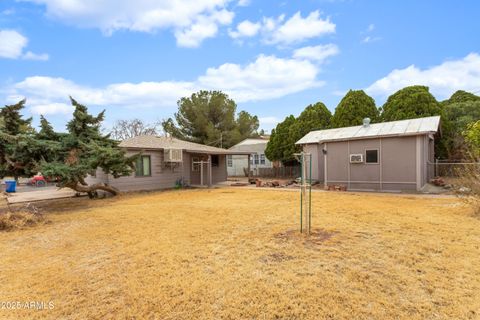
235	254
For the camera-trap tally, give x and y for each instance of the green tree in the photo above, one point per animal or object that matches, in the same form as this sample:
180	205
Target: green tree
472	137
461	96
314	117
409	103
278	147
281	146
353	108
13	125
208	117
459	113
71	156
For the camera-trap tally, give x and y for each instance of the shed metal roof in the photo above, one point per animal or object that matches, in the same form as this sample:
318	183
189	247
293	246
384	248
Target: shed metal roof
155	142
375	130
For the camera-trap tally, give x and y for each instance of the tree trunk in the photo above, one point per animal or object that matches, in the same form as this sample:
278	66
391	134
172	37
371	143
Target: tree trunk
92	189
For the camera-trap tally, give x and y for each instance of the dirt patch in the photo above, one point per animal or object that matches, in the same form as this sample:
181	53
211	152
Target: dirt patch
276	257
317	236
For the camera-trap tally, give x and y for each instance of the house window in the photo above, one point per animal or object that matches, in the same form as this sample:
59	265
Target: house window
215	160
371	156
262	159
256	159
195	164
229	160
143	167
251	159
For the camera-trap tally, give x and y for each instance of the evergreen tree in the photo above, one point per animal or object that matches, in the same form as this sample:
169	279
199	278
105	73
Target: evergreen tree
278	147
13	126
208	117
410	103
353	108
83	150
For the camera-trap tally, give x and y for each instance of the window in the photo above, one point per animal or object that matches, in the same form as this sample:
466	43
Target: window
371	156
195	164
215	160
142	167
262	159
256	159
229	160
251	159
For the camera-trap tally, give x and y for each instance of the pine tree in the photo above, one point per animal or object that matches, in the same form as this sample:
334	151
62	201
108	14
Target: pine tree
353	108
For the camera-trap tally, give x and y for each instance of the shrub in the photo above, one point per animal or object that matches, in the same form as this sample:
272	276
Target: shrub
20	219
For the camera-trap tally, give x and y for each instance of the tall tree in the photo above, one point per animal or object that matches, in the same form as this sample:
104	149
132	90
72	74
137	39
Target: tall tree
462	109
13	125
281	146
71	156
278	147
314	117
472	136
126	129
353	108
409	103
208	117
13	122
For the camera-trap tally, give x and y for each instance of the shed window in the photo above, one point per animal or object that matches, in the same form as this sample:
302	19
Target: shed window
215	160
229	160
256	159
371	156
262	159
143	167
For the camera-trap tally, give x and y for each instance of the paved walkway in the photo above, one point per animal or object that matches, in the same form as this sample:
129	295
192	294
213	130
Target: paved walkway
39	195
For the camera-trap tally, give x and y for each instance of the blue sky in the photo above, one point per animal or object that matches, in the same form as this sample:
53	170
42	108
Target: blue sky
137	58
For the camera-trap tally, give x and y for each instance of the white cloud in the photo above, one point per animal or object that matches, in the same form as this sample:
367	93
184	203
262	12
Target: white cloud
205	27
12	45
243	3
443	79
370	39
265	78
371	27
279	31
29	55
297	29
191	20
52	108
245	28
316	53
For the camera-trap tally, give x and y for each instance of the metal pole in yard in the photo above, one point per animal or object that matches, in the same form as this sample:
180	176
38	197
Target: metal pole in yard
310	197
301	194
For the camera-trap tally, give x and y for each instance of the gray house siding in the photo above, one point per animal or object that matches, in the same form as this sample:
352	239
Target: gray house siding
402	163
163	176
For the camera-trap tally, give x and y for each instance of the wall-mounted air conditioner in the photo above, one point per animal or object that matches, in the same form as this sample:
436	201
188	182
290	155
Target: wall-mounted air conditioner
356	158
173	155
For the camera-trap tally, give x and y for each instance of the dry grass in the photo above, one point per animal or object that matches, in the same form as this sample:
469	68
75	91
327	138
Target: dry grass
234	254
20	219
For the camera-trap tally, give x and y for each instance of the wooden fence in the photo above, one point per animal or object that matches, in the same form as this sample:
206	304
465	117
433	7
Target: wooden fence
290	172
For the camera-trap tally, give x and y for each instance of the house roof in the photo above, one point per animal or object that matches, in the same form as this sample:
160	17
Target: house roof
375	130
250	144
156	142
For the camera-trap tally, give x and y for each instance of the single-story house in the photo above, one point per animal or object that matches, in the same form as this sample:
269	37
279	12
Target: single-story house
166	161
237	164
387	156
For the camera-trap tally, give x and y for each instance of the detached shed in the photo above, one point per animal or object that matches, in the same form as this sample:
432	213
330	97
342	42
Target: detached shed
387	156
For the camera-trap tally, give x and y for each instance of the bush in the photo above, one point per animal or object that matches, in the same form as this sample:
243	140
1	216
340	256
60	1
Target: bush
20	219
467	187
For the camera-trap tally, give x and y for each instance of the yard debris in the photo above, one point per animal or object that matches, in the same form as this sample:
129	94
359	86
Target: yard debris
334	187
438	181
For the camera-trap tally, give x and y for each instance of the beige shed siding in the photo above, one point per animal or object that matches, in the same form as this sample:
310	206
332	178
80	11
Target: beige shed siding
337	161
396	170
313	150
